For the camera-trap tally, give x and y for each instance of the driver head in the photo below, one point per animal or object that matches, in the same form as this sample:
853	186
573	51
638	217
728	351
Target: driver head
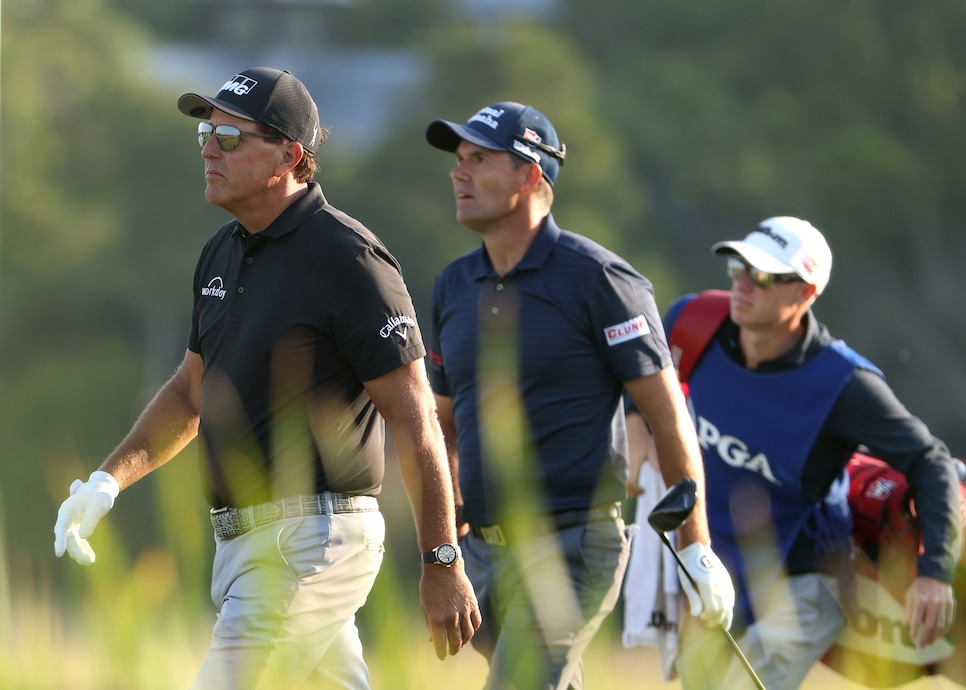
674	507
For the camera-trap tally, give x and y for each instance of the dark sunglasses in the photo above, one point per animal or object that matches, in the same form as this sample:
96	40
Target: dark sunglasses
738	268
228	137
560	154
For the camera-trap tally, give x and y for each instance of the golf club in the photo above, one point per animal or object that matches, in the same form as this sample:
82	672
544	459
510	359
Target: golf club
667	515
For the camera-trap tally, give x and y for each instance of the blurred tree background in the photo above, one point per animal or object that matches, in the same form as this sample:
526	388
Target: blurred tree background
686	123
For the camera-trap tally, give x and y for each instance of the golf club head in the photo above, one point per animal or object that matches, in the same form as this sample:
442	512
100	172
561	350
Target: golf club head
674	507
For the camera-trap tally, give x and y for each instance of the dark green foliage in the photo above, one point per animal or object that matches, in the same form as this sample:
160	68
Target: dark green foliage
685	123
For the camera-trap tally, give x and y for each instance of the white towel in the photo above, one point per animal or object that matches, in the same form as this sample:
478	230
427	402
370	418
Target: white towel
651	589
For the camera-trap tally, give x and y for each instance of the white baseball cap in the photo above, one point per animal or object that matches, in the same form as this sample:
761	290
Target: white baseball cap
785	245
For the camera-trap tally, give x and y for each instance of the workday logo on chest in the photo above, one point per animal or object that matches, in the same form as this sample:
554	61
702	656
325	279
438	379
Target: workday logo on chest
215	288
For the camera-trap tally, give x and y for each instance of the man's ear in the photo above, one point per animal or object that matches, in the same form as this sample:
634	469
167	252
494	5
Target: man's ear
292	156
533	178
809	294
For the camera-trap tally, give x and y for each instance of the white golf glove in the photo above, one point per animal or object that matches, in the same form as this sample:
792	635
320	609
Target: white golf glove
78	516
714	600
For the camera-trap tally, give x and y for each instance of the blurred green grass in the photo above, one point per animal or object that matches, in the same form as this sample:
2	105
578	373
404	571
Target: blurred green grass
135	631
140	617
138	633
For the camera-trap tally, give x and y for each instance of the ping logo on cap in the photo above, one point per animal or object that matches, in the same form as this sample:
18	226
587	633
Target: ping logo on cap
240	85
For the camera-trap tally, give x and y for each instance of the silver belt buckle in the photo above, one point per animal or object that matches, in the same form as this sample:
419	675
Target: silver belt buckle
225	521
493	535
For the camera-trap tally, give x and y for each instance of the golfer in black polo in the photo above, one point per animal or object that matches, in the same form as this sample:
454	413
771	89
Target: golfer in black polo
303	340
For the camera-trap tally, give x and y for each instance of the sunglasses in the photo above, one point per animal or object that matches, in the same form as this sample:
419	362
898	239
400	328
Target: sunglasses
560	154
228	137
738	268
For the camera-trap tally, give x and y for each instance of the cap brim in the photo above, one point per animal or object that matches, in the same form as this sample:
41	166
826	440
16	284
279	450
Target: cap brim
754	256
447	136
195	105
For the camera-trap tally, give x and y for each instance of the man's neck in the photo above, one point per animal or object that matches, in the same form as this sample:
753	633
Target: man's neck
507	250
765	345
507	243
257	213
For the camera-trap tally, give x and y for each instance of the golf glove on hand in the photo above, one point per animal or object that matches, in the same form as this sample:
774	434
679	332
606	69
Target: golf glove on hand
714	599
78	516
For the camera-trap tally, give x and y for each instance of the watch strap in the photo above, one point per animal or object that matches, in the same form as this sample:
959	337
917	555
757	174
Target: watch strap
432	557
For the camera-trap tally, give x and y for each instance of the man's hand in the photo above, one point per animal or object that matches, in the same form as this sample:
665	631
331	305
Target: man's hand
930	610
450	607
714	598
78	516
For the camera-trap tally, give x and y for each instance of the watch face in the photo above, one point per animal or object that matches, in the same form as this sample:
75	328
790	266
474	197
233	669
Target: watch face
446	553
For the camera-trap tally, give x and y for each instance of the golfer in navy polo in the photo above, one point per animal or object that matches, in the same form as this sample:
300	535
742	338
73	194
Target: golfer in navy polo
535	335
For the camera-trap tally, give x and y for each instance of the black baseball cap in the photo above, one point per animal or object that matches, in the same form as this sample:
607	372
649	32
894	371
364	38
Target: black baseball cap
506	126
263	94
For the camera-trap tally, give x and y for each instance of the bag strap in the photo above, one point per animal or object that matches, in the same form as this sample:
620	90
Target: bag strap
694	328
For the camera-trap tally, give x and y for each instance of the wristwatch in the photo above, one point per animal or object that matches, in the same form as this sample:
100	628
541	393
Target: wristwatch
444	554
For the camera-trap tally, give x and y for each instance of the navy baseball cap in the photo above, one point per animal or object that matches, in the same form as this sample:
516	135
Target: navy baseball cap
263	94
506	126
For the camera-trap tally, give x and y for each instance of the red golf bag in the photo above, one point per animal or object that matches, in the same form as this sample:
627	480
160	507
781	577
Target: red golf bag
875	648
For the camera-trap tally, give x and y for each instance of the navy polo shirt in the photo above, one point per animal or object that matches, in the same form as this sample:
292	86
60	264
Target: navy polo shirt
561	332
289	322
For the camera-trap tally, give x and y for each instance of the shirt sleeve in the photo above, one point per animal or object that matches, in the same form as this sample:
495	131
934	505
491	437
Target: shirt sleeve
868	413
376	330
627	323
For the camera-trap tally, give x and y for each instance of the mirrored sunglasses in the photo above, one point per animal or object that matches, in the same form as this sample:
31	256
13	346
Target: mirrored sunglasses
226	136
738	268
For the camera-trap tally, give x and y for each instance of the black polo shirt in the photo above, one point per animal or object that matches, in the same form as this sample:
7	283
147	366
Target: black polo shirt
289	322
566	327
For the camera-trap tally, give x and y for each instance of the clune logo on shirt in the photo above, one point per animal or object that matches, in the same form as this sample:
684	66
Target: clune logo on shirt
399	325
215	288
630	329
733	451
